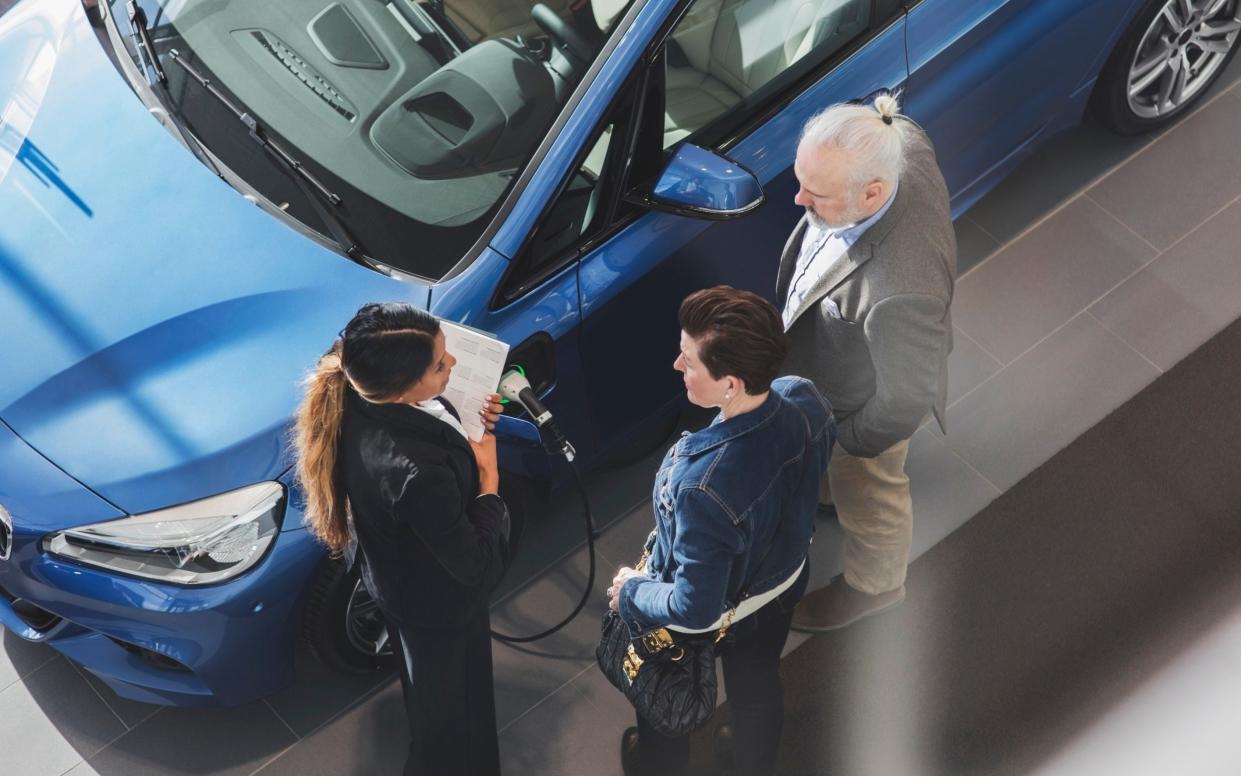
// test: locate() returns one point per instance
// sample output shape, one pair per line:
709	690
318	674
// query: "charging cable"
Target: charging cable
515	387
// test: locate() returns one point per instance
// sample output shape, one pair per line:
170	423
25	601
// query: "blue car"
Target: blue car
195	195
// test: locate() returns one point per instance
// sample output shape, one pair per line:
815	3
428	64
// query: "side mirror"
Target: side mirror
702	184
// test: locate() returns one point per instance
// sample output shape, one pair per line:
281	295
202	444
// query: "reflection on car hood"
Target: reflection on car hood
155	324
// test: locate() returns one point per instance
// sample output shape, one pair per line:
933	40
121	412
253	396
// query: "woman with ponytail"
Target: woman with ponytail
381	455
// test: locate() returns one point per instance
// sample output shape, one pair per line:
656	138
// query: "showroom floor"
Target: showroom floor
1092	270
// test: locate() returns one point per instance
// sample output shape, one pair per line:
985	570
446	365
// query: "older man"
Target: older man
866	281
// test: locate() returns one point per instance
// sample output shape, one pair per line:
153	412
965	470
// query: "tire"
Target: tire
341	624
1167	59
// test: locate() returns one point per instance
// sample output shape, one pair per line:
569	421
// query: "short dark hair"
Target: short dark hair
738	333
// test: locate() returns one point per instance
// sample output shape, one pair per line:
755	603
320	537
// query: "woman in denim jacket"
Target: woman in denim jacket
734	507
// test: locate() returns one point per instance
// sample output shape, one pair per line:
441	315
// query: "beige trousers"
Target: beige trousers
872	499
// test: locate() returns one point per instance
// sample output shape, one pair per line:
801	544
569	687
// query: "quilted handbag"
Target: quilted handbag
669	677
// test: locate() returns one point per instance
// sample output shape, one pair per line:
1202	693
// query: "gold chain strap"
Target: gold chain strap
724	626
632	661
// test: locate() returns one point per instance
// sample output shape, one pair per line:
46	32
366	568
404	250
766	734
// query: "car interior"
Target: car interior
428	107
727	49
720	52
432	107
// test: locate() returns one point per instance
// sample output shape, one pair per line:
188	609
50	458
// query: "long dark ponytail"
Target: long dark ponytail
384	350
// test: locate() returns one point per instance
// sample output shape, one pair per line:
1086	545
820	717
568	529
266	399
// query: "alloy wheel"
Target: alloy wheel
365	626
1186	44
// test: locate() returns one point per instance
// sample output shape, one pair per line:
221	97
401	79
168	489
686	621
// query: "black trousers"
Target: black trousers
449	699
751	659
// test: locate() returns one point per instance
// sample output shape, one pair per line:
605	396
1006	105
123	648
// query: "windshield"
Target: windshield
417	117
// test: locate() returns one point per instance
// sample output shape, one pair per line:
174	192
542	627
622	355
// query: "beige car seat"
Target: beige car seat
607	11
483	19
733	47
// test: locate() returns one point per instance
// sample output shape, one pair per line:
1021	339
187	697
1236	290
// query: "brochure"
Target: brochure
480	362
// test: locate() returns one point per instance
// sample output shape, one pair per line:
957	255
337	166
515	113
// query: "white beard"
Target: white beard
819	222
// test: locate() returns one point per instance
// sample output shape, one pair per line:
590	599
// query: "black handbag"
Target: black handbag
668	676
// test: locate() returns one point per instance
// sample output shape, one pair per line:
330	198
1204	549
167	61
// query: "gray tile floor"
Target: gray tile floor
1094	268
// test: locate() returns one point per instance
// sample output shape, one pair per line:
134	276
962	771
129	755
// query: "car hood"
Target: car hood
154	325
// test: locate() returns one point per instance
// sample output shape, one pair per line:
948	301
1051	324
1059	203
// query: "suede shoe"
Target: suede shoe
838	605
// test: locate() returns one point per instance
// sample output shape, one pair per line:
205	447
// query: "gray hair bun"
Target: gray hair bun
888	107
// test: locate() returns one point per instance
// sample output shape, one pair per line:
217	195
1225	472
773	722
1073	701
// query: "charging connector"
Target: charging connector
515	387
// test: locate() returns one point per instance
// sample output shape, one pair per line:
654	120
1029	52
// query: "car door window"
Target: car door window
578	204
726	56
724	59
575	213
589	205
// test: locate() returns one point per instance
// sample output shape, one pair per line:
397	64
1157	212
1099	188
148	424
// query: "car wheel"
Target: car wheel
342	624
1171	53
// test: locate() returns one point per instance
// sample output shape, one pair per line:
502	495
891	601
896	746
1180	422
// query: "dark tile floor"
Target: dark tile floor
1092	269
1085	623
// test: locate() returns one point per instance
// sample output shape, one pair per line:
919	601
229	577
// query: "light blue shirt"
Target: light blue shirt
821	248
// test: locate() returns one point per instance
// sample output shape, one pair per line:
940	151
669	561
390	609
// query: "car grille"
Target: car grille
43	621
150	657
36	617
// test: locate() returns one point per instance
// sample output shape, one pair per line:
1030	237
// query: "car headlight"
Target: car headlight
198	543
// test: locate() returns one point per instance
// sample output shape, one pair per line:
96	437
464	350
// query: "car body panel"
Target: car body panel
39	496
234	638
170	317
989	76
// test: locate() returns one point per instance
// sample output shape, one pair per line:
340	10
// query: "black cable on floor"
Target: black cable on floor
589	520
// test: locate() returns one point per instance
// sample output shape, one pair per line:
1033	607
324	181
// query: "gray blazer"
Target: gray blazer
882	360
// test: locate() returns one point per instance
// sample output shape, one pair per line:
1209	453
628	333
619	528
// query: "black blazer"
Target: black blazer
433	547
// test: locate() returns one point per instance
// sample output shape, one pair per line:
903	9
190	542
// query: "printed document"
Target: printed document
480	362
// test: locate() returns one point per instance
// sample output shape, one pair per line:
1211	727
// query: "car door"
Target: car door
540	328
739	77
989	77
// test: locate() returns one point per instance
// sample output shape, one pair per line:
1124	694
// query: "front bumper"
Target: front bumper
221	645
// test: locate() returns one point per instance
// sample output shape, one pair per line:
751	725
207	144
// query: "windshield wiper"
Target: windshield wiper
319	195
143	43
146	58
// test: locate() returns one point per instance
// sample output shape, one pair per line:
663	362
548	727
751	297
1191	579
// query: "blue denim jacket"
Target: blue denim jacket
733	502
